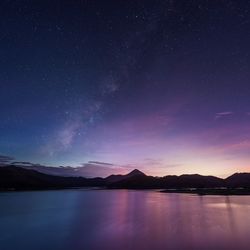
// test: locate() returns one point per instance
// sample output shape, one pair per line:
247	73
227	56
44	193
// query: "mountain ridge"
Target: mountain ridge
18	178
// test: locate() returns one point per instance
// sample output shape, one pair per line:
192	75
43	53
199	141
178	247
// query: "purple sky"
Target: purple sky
162	86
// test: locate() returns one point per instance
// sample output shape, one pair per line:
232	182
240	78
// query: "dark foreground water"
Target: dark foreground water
120	219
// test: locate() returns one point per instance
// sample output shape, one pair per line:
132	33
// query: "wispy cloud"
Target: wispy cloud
22	163
101	163
223	114
5	159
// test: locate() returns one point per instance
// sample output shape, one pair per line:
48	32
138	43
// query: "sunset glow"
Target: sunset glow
99	90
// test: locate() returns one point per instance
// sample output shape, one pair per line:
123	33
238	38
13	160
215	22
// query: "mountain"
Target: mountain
238	180
12	177
192	181
142	181
89	170
116	178
18	178
134	180
134	173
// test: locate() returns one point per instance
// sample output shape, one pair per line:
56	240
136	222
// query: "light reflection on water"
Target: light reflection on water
121	219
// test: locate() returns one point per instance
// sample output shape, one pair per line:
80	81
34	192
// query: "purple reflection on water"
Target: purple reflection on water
121	219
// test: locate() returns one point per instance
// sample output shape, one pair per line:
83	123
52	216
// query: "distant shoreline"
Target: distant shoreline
197	191
210	191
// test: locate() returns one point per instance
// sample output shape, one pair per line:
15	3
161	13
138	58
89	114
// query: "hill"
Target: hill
143	181
18	178
240	180
12	177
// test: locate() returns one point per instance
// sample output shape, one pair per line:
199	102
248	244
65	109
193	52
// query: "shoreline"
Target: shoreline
197	191
210	191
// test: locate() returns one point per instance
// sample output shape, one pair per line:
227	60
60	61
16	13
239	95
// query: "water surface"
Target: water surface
121	219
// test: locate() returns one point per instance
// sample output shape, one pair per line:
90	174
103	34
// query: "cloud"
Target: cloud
21	163
89	169
101	163
5	159
94	170
159	163
223	114
152	161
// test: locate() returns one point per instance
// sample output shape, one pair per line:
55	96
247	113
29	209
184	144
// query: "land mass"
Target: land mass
18	178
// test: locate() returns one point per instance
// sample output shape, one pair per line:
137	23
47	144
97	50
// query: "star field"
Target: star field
159	85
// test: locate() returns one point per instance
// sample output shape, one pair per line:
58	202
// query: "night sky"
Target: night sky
162	86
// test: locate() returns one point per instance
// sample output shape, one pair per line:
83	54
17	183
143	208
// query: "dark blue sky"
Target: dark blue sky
160	85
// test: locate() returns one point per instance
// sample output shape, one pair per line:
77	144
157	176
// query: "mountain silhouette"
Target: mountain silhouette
238	180
117	178
135	172
142	181
18	178
12	177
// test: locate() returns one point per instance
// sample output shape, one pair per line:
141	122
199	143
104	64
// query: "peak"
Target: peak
135	172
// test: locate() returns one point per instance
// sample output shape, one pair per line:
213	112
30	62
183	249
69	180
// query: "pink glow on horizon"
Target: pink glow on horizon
216	148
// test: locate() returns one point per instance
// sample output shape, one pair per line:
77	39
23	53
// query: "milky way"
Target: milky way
163	86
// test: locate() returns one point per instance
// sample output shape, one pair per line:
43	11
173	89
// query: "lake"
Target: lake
122	219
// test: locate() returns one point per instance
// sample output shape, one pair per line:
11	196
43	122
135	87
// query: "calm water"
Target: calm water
119	219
